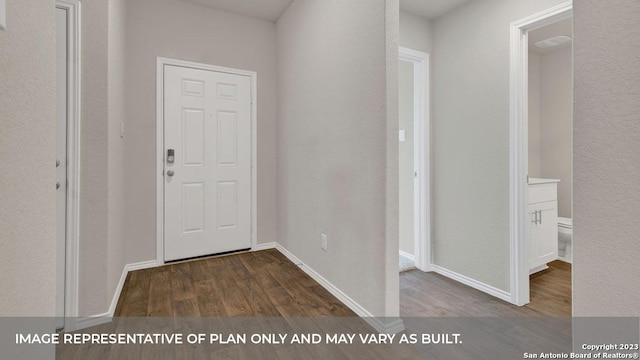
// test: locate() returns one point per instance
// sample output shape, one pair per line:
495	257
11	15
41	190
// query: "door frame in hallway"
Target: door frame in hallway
519	145
422	156
161	63
73	100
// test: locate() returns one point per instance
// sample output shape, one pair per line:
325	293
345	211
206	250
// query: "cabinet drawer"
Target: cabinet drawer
543	192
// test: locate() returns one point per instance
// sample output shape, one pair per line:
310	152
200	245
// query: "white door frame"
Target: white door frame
519	143
161	62
72	242
421	158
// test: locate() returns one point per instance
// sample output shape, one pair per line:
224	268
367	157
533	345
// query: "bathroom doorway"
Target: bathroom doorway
542	148
414	167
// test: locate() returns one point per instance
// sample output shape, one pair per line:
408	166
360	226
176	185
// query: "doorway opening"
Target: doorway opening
541	154
414	161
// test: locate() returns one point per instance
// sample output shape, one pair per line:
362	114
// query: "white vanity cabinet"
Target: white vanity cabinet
543	223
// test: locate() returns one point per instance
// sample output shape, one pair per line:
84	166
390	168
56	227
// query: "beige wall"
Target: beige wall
406	158
333	145
27	153
117	178
551	121
470	125
534	116
415	32
607	149
391	278
556	123
181	30
94	161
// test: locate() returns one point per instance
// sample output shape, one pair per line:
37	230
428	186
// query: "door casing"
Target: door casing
519	146
161	63
421	158
74	81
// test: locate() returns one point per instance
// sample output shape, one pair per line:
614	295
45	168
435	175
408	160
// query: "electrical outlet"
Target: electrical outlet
324	243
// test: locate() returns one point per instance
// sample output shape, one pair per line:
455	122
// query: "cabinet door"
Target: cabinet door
547	247
543	233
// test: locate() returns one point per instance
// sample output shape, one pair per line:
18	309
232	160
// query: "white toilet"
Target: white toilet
565	239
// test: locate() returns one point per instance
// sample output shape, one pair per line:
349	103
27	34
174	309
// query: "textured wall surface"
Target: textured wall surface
392	279
94	161
332	144
181	30
117	177
27	153
470	122
607	152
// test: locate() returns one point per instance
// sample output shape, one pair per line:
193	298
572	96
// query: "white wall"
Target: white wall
181	30
470	124
334	145
27	150
607	149
556	123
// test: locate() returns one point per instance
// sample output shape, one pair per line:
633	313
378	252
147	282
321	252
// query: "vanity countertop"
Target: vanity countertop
537	181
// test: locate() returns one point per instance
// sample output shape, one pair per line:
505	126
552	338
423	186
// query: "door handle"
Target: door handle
57	185
540	216
170	173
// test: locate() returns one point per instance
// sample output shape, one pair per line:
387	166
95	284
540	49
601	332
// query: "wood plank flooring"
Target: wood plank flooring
263	283
433	295
267	284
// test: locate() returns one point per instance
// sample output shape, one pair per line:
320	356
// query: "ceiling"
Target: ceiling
269	10
564	27
430	9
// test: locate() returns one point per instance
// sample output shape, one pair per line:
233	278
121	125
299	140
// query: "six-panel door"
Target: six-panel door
207	186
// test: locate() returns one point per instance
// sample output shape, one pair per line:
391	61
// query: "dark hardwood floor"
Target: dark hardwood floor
433	295
218	294
263	283
266	283
551	290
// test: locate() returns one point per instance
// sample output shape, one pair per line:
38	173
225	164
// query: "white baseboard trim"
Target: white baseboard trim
89	321
265	246
538	269
93	320
500	294
395	326
408	256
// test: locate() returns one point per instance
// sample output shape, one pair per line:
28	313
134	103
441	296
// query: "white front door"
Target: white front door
207	162
61	161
